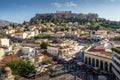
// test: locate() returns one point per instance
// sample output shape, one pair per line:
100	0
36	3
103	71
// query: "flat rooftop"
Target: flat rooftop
97	49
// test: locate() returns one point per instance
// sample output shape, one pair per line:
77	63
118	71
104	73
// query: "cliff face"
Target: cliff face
66	16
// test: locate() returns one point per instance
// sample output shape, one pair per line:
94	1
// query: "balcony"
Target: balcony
116	66
116	59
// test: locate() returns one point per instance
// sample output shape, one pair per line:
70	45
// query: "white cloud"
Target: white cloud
58	5
67	4
71	4
113	0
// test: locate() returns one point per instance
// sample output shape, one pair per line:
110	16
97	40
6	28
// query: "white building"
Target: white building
100	34
37	58
31	34
9	31
60	34
71	33
22	35
36	31
116	43
4	42
1	53
98	56
63	49
26	50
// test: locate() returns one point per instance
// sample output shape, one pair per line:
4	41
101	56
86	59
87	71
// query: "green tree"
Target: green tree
44	29
1	27
117	38
19	30
42	36
62	29
73	29
27	28
25	23
15	41
5	27
21	67
44	45
3	36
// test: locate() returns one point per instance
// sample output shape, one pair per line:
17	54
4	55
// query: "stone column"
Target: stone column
95	62
108	66
84	59
91	61
103	65
87	60
99	63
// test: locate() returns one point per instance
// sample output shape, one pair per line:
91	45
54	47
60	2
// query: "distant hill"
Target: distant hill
4	23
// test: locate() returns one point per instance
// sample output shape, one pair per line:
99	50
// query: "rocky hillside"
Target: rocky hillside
66	16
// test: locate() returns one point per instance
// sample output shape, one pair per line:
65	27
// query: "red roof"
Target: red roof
96	48
11	57
3	63
37	55
99	49
19	33
45	56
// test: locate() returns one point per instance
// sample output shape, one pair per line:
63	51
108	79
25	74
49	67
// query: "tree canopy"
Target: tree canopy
117	38
3	36
44	45
42	36
21	67
47	61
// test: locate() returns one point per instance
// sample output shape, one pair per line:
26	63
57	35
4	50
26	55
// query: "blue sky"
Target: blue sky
22	10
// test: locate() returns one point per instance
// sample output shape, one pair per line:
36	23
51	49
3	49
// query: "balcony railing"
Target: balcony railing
116	66
116	59
116	73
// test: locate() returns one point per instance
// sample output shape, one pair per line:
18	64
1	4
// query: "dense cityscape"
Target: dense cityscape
62	45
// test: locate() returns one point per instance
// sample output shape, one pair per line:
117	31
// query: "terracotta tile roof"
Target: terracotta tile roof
96	48
37	55
11	57
101	30
19	33
45	56
2	63
100	49
106	53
